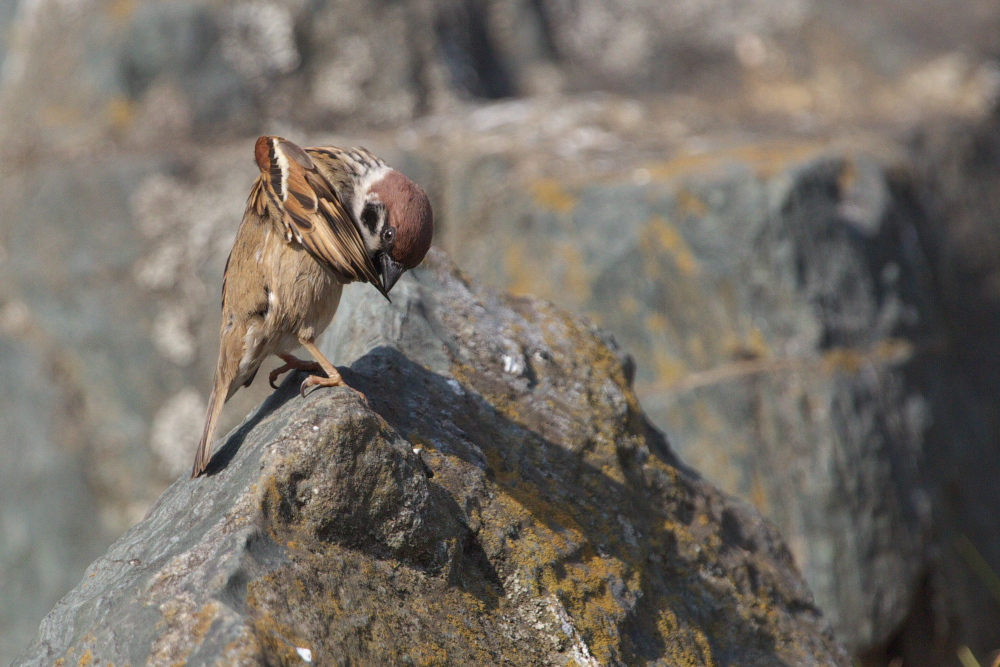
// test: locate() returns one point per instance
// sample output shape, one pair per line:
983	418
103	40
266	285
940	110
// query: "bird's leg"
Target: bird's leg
332	378
292	363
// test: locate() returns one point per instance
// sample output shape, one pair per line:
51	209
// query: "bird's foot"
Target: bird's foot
336	381
320	381
292	364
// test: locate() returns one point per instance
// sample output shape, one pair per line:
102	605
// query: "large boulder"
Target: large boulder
814	324
489	491
126	126
778	303
781	300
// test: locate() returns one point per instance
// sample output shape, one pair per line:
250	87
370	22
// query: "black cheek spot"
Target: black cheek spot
369	217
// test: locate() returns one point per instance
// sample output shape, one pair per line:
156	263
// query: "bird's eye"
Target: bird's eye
388	234
369	216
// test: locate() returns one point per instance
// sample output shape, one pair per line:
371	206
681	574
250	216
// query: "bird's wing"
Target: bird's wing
316	218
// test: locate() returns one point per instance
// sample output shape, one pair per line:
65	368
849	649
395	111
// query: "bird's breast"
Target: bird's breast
303	296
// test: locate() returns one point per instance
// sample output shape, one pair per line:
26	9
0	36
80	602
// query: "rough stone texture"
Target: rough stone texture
109	327
126	127
786	327
775	298
542	521
814	327
780	297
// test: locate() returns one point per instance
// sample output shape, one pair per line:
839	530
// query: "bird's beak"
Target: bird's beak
391	270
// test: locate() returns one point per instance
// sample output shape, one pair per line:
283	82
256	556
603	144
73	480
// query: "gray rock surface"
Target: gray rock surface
676	217
499	497
960	190
781	315
775	298
43	543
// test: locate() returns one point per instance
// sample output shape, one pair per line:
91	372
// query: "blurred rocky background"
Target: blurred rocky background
786	211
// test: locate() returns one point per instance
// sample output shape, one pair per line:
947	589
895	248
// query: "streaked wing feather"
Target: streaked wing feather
316	218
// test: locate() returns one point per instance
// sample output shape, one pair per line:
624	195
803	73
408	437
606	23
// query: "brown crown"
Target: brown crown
410	214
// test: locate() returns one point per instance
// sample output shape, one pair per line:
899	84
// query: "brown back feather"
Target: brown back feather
312	214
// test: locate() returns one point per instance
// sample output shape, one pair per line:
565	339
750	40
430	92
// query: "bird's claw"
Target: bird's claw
320	381
276	373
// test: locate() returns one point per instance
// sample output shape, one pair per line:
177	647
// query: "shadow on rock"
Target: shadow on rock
286	391
607	542
500	498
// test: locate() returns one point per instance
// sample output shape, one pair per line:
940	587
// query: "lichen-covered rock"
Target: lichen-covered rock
498	497
778	303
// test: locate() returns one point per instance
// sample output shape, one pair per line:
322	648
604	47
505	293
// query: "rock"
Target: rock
776	299
772	294
498	497
109	277
813	325
126	169
43	493
959	178
779	297
150	73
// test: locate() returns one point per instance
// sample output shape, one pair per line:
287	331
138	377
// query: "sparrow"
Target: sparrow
316	219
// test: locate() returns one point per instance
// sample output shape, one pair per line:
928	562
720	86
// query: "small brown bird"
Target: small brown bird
316	219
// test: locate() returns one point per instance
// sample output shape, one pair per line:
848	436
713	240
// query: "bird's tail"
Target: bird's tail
204	454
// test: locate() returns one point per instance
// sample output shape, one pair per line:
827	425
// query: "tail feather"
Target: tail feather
204	454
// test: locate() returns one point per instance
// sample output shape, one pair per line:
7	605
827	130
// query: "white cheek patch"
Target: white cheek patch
363	197
365	184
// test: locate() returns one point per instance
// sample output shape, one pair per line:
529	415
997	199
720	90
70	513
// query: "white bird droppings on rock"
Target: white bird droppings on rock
512	364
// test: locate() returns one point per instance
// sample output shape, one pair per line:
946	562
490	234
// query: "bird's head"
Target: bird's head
396	222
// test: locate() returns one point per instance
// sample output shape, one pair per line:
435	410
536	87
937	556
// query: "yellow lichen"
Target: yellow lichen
121	112
120	10
549	194
689	203
766	159
429	655
684	646
668	238
575	279
759	495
